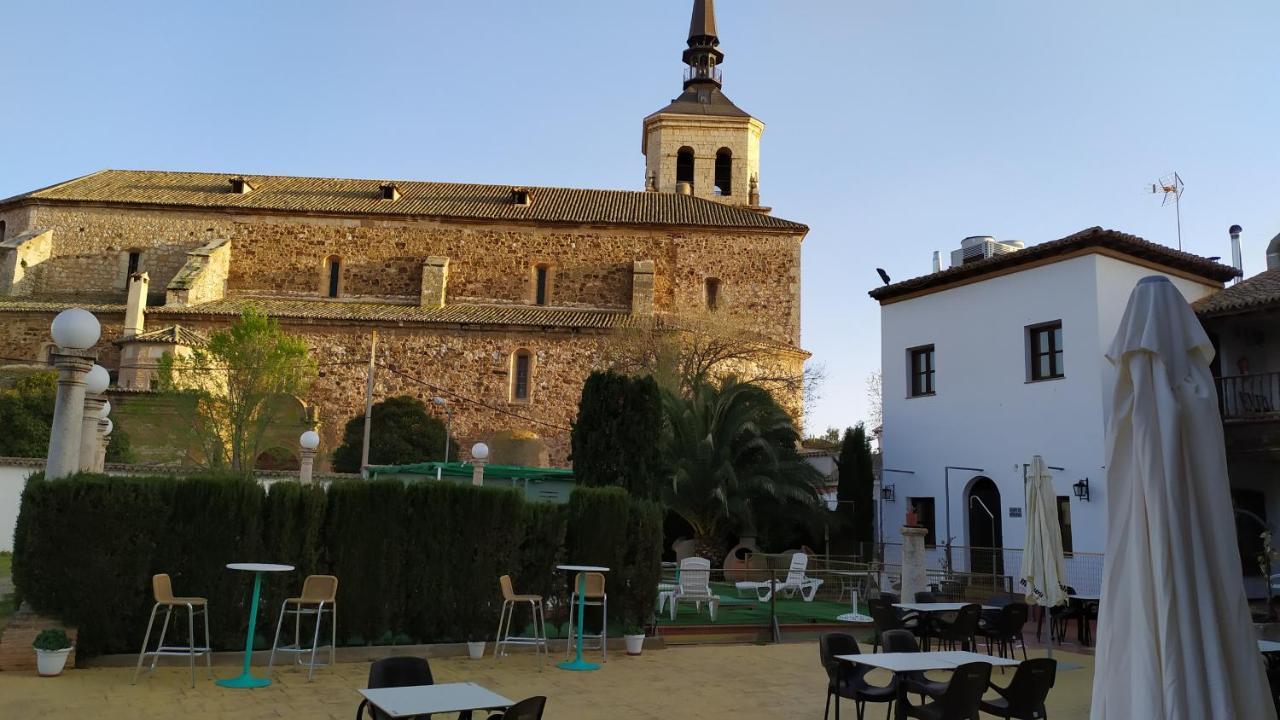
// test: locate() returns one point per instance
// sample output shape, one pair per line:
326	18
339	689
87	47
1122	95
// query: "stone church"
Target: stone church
499	298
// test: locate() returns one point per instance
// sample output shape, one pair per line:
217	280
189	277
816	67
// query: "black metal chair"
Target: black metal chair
396	672
527	709
1006	629
960	631
1024	698
962	698
848	680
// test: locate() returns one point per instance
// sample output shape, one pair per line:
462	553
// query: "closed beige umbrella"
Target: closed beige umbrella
1042	567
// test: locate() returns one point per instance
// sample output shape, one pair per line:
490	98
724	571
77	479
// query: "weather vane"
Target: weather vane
1170	186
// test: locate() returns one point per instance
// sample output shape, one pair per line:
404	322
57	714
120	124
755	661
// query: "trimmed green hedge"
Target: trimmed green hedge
417	563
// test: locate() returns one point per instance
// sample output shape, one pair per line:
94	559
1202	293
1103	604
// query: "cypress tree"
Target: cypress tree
615	437
857	481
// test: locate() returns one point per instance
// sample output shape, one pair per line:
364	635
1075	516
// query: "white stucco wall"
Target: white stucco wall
12	480
985	413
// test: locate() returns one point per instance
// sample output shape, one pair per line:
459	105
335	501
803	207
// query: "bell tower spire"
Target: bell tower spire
702	144
703	55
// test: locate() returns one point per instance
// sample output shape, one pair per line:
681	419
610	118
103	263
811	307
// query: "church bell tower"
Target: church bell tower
702	144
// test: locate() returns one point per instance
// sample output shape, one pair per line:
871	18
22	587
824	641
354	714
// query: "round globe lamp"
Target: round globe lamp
96	380
480	451
75	329
309	440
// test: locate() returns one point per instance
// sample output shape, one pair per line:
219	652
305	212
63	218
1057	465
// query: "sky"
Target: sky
893	128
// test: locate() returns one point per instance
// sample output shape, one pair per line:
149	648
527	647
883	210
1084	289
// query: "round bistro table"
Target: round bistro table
245	679
578	663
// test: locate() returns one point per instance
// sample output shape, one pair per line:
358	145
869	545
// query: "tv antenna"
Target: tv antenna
1170	186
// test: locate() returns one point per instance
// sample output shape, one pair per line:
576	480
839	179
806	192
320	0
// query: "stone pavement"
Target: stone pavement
695	682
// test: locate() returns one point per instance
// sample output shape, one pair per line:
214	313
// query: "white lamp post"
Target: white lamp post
480	457
448	423
308	441
95	408
75	331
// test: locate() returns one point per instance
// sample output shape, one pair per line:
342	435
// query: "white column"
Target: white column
105	427
477	472
68	412
308	464
90	433
914	579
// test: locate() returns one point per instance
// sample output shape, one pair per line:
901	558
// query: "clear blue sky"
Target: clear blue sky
895	128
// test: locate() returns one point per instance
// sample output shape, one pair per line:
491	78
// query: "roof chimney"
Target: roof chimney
684	188
136	309
937	261
521	196
1273	253
1236	261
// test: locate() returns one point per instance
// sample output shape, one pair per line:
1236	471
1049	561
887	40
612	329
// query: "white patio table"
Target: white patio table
414	700
246	679
919	662
578	663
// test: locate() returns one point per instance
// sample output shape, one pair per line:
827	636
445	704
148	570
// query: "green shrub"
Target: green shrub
364	536
616	434
607	527
52	639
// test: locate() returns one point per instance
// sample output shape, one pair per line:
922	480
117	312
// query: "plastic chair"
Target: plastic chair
509	601
886	618
319	596
848	680
1006	629
395	672
1024	698
962	698
162	592
962	630
527	709
594	596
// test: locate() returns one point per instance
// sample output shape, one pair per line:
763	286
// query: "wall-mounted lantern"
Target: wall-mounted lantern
1082	489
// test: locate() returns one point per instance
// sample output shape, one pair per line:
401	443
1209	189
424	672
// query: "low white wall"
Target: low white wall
12	479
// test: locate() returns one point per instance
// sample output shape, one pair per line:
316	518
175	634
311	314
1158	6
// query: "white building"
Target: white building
1000	358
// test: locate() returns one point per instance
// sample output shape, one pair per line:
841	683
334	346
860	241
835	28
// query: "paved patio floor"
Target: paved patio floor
690	682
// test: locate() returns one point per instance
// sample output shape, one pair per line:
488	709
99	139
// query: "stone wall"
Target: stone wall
20	258
24	337
666	134
383	259
203	278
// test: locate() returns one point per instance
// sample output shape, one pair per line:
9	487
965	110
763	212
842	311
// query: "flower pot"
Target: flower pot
475	649
50	662
635	643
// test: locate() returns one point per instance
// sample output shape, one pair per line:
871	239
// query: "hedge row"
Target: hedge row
416	562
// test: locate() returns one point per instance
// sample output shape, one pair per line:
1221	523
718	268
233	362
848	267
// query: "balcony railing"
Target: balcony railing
1249	396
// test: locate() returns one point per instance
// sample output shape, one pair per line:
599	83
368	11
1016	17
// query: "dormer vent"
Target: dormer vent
521	196
240	186
390	191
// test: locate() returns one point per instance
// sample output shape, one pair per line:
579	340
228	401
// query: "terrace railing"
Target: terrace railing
1253	396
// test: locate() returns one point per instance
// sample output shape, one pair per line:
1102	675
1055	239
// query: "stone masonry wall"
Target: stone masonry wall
25	335
383	259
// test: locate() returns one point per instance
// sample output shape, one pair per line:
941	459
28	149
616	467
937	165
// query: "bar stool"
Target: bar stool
594	596
319	596
162	591
509	600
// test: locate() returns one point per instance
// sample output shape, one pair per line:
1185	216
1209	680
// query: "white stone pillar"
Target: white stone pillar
105	427
914	579
477	471
90	432
68	412
307	466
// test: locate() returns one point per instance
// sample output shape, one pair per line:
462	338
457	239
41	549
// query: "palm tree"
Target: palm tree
731	450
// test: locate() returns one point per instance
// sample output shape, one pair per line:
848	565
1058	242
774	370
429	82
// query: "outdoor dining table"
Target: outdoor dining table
937	607
414	700
246	679
1268	646
578	663
903	662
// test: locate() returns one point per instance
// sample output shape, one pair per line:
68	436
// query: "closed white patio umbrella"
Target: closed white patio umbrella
1042	570
1175	638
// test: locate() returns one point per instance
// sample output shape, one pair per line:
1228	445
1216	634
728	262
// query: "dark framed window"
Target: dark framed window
540	284
1045	345
925	518
684	165
135	260
1064	522
921	359
2	229
724	172
521	365
335	276
713	293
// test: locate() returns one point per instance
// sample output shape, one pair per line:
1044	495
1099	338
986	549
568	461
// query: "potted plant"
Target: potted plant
633	635
52	648
475	645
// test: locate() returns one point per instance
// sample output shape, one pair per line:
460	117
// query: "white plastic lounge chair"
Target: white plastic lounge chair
796	582
694	586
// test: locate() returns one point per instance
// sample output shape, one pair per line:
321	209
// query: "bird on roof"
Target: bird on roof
883	275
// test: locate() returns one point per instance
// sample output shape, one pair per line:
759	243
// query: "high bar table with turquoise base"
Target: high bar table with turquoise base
578	663
246	679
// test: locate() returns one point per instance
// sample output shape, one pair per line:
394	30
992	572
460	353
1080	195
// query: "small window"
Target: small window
1064	521
1045	345
724	172
684	165
521	365
713	293
925	518
333	276
389	191
921	371
2	229
540	287
135	261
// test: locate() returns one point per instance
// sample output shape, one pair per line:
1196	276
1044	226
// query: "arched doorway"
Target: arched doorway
986	532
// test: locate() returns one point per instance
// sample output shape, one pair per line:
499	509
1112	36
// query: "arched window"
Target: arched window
684	165
724	171
712	293
521	375
331	277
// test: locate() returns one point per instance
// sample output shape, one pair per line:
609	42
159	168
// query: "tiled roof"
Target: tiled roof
417	199
10	304
1094	237
1260	291
172	335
